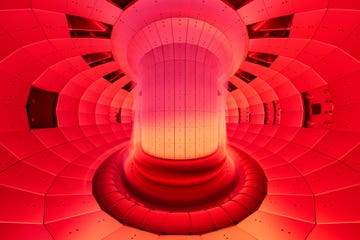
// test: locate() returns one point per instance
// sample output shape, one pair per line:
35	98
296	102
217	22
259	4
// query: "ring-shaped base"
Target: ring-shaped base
174	214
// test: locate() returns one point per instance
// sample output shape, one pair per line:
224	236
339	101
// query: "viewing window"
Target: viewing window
87	28
114	76
236	4
95	59
245	76
263	59
122	3
41	108
272	28
230	86
129	86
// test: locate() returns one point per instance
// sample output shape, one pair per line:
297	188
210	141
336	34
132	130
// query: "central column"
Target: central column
180	110
179	159
179	53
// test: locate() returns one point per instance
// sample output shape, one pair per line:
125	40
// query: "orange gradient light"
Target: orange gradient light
181	112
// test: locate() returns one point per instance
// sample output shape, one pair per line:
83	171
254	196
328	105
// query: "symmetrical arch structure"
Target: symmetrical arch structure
78	77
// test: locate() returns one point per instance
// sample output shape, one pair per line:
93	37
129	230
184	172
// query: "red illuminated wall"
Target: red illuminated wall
71	73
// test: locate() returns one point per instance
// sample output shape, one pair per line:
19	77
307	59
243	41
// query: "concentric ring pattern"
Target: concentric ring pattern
293	105
174	212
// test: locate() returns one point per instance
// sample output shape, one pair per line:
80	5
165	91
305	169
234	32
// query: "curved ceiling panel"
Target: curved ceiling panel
69	84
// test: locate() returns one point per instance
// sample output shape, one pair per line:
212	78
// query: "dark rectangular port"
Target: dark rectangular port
245	76
230	86
41	108
114	76
260	58
129	86
123	4
80	27
272	28
236	4
96	59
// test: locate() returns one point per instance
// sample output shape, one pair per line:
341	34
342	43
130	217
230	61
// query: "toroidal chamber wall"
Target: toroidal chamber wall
71	75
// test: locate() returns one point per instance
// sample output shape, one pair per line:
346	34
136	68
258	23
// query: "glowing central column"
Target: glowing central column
179	53
180	110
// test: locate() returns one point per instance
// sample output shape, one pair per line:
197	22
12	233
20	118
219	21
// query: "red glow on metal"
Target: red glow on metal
296	115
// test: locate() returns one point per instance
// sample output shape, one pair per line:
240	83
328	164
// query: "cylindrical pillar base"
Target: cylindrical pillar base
180	184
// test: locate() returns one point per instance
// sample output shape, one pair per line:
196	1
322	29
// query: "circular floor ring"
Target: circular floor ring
115	197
